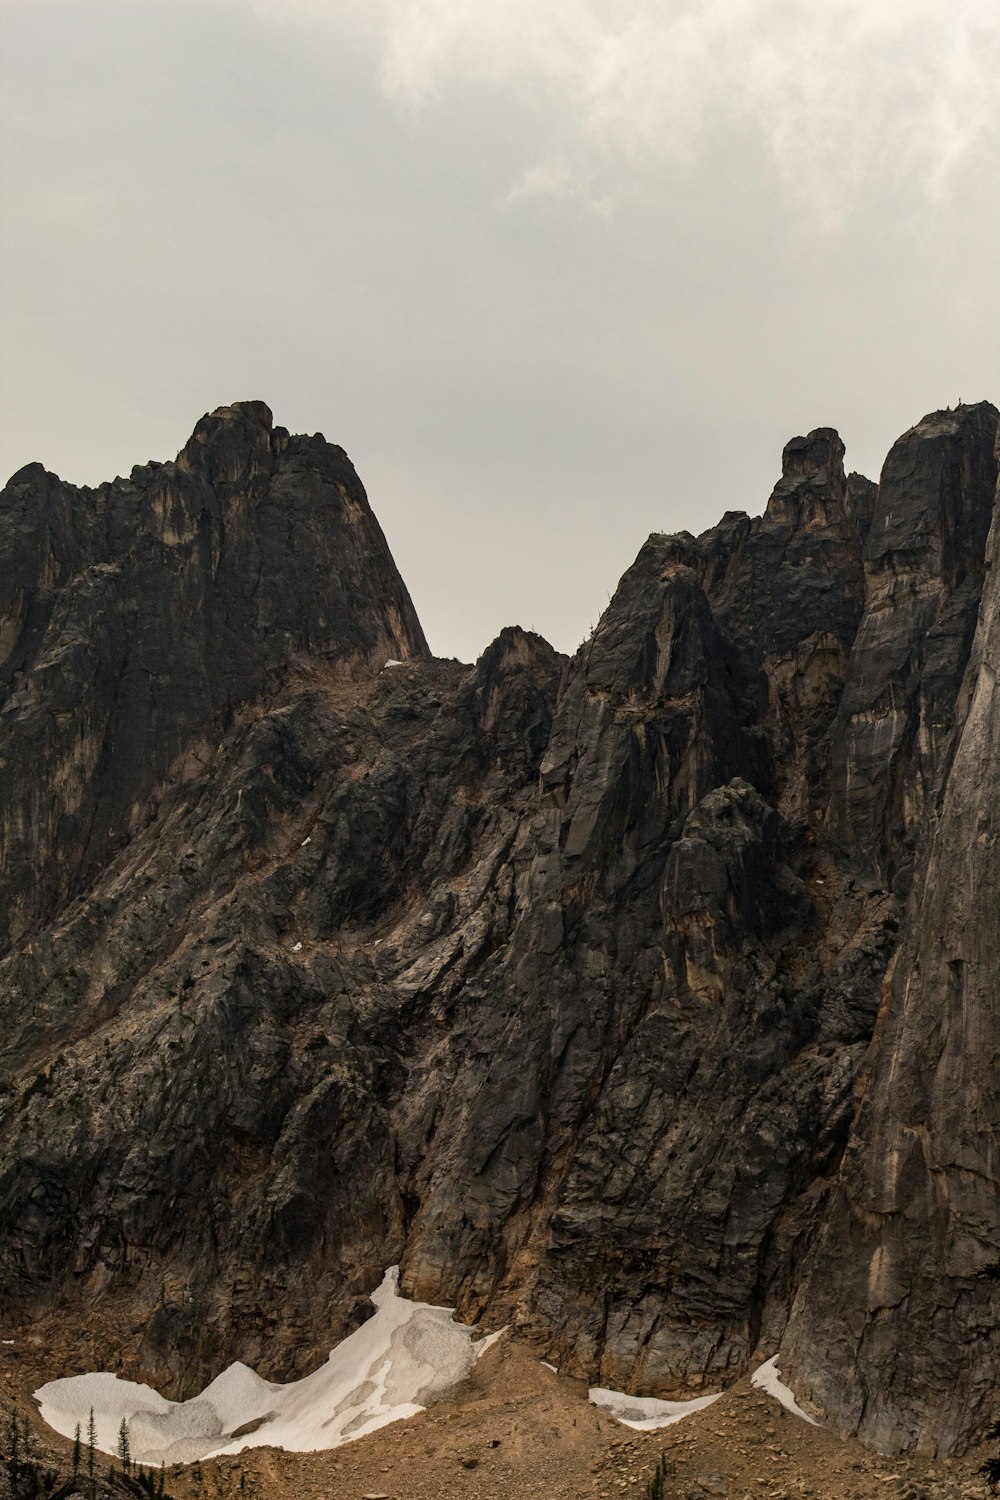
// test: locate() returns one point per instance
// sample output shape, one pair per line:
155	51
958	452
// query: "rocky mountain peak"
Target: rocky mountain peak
151	610
812	490
818	455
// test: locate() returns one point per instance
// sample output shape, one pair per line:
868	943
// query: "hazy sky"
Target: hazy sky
556	274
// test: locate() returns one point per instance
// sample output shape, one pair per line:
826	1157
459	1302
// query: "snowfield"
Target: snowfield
766	1378
391	1367
646	1413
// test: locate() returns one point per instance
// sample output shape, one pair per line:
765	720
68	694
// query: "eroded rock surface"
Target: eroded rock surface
557	982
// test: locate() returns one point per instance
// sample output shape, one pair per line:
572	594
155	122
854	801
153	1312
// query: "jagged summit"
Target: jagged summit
644	1001
137	620
819	453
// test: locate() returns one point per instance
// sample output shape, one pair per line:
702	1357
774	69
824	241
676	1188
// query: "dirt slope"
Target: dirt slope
515	1431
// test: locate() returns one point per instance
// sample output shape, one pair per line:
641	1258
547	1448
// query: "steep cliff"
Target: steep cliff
906	1351
557	982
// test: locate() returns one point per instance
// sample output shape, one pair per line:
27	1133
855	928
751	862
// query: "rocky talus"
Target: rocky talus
646	1000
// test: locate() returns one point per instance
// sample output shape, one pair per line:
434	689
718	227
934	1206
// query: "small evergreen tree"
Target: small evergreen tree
124	1455
990	1470
654	1489
77	1448
14	1454
91	1445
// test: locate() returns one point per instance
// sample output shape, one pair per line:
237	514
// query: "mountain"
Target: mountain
644	1000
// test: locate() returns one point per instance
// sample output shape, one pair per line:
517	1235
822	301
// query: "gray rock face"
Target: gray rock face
924	563
894	1332
557	982
136	619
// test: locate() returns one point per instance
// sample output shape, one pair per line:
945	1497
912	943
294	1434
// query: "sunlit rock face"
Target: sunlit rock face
557	982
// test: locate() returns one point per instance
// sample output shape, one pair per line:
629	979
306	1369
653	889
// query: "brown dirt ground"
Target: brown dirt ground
515	1431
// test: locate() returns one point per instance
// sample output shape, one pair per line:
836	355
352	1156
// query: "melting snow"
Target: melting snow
392	662
767	1378
389	1368
487	1343
645	1413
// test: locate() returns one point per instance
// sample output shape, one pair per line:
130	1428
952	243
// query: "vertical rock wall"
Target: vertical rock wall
893	1331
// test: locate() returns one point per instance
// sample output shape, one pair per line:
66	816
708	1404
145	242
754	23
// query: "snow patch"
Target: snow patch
391	1367
767	1378
66	1402
393	663
646	1413
481	1345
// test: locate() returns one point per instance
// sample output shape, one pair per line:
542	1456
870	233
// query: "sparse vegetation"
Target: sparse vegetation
42	1082
664	1470
990	1470
23	1477
124	1451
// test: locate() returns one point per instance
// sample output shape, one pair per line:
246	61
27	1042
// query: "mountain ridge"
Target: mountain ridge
556	981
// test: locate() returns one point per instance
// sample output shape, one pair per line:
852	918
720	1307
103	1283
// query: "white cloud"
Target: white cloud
840	92
561	177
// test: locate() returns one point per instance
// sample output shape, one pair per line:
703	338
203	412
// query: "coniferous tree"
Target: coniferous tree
77	1449
123	1447
91	1445
14	1458
654	1489
990	1470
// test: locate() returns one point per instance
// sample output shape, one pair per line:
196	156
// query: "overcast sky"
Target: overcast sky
556	274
